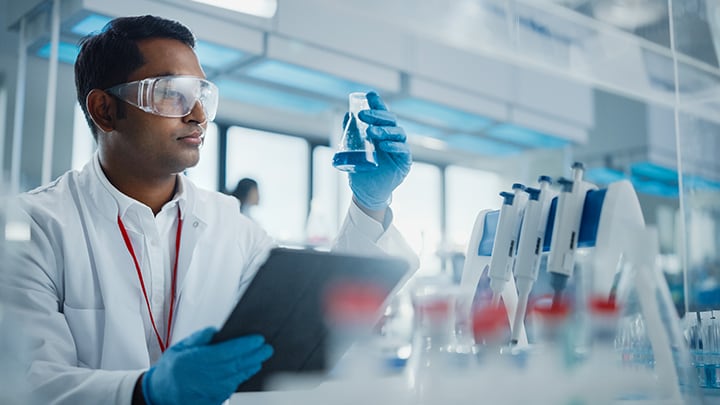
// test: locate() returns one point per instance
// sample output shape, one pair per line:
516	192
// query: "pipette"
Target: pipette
530	246
477	261
479	249
505	246
561	259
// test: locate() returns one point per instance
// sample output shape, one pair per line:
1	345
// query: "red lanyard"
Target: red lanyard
163	345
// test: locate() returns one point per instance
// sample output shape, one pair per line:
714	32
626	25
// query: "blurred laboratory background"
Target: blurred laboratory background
490	92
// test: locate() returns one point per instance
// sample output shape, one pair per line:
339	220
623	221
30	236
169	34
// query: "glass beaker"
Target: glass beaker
441	344
356	152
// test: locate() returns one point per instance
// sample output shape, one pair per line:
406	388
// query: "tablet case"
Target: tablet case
284	303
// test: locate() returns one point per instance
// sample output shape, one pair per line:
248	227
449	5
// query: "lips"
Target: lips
193	134
195	138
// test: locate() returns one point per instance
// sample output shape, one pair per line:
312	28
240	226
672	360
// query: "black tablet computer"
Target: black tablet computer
285	303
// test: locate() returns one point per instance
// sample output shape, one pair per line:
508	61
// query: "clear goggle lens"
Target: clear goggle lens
170	96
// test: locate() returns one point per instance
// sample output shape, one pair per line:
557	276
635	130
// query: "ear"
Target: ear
101	107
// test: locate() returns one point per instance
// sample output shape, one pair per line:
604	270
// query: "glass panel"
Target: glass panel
656	181
699	148
416	206
279	163
205	173
698	131
695	31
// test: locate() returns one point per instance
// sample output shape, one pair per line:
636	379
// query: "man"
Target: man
131	268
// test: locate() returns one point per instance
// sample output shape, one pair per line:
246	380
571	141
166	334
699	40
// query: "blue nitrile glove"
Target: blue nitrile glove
372	189
195	372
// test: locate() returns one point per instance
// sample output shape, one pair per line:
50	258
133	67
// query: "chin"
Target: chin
180	165
190	159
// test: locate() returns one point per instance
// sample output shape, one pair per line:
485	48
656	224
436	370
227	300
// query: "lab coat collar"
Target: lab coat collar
111	202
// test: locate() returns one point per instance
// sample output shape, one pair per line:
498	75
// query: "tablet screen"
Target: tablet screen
285	303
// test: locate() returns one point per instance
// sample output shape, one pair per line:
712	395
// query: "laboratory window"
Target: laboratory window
416	205
331	197
467	192
280	165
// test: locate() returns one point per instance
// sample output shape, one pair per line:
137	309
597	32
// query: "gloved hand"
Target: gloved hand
372	189
195	372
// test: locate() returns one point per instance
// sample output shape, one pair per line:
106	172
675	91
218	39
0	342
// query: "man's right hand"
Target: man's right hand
195	372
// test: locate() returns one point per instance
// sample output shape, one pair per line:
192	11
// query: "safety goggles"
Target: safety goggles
169	96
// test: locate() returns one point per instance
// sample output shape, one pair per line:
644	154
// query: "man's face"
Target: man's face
152	144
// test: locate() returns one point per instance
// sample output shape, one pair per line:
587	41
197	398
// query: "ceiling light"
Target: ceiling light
90	24
630	14
302	78
414	128
604	175
216	56
481	146
438	115
67	52
526	137
260	8
268	97
652	171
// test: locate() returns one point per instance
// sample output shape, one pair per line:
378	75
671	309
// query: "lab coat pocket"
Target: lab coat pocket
87	327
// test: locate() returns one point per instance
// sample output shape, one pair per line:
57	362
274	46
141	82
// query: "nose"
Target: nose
197	114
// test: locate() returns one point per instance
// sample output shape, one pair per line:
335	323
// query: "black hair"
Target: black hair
243	189
109	57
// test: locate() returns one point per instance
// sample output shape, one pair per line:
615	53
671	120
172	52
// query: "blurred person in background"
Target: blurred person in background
248	194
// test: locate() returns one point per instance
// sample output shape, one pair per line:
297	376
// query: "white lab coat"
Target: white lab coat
76	289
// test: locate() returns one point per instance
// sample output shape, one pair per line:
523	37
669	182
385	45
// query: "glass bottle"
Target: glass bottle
356	152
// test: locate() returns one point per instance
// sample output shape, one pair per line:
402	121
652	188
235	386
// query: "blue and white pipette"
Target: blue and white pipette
477	261
505	246
530	247
561	259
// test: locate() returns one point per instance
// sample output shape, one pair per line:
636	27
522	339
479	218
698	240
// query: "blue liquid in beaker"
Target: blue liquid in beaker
353	161
708	375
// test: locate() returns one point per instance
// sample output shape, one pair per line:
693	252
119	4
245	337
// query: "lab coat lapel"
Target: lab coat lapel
193	227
